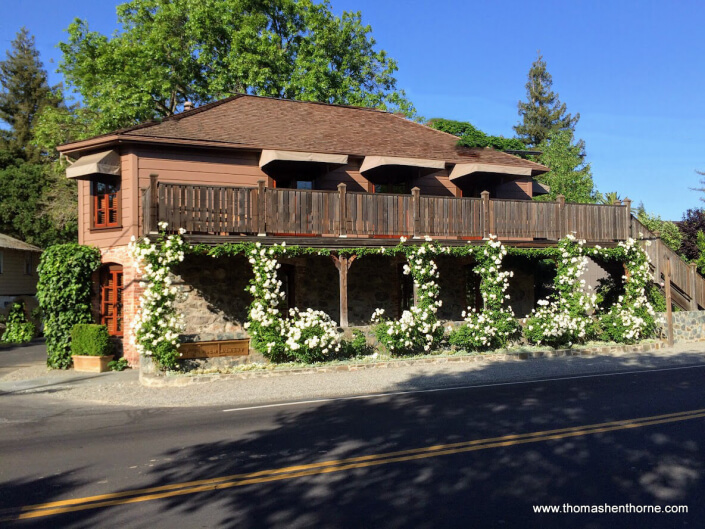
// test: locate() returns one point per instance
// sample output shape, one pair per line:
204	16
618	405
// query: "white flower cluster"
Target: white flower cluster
156	326
312	330
495	323
564	318
418	327
306	335
633	308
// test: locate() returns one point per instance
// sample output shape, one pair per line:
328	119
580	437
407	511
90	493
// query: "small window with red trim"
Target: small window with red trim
106	203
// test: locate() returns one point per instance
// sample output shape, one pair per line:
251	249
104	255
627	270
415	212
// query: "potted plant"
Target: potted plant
91	347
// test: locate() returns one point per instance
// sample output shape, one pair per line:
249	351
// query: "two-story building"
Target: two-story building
256	168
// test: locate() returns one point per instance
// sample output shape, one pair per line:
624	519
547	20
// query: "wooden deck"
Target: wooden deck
214	214
238	211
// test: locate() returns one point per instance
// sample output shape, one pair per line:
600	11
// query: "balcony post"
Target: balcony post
416	211
154	204
693	305
669	301
343	264
658	269
628	212
485	195
261	209
342	227
561	223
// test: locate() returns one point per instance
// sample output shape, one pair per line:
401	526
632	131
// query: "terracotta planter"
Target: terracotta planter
91	364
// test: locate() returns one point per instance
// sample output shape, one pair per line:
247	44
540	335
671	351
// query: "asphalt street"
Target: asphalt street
463	457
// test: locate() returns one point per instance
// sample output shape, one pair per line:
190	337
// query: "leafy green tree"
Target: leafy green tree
470	136
669	232
542	113
607	198
25	92
171	51
569	175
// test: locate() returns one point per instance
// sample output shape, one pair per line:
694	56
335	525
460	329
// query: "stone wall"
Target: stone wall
213	300
688	326
373	282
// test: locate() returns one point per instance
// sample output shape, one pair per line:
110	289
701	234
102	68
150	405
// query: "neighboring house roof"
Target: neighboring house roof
10	243
267	123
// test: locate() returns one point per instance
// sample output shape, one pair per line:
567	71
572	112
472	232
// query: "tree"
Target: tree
668	231
607	198
693	222
542	113
569	175
171	51
471	136
25	92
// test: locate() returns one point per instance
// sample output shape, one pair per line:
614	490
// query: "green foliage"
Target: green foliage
631	318
25	92
171	51
700	262
64	294
655	297
542	114
90	339
18	328
495	324
157	324
30	208
474	137
356	347
564	318
693	222
569	176
118	365
668	231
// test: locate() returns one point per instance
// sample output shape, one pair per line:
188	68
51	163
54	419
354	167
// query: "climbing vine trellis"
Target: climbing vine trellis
566	317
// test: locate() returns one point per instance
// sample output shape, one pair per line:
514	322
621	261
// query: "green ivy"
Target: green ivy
64	294
19	329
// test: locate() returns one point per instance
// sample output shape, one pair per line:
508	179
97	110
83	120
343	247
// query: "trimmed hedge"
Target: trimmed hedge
64	294
90	339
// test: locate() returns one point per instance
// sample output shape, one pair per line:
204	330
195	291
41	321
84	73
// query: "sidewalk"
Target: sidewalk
124	389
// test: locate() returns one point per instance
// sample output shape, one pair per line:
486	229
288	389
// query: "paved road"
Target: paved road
17	356
473	457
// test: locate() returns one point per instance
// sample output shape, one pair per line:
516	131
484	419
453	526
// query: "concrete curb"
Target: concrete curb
161	381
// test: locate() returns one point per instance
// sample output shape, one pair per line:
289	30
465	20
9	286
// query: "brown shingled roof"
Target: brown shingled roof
10	243
268	123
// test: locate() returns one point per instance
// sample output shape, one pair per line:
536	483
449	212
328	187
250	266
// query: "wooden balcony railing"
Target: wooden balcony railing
220	210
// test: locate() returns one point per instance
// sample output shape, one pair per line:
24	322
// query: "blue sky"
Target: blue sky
634	70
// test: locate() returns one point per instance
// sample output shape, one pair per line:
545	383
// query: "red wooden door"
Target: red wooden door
111	299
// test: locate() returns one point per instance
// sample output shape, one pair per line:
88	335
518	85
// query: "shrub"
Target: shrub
118	365
90	339
357	346
18	329
64	294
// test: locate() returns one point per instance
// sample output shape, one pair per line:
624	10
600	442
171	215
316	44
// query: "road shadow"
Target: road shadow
492	487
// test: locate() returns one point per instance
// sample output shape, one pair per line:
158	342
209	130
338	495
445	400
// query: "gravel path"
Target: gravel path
124	389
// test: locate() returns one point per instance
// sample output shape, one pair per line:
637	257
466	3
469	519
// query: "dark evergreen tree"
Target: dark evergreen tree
25	92
542	113
693	222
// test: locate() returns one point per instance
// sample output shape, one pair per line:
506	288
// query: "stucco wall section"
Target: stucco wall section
13	280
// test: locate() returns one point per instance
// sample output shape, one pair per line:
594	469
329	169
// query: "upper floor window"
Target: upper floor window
28	264
1	262
401	188
106	202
